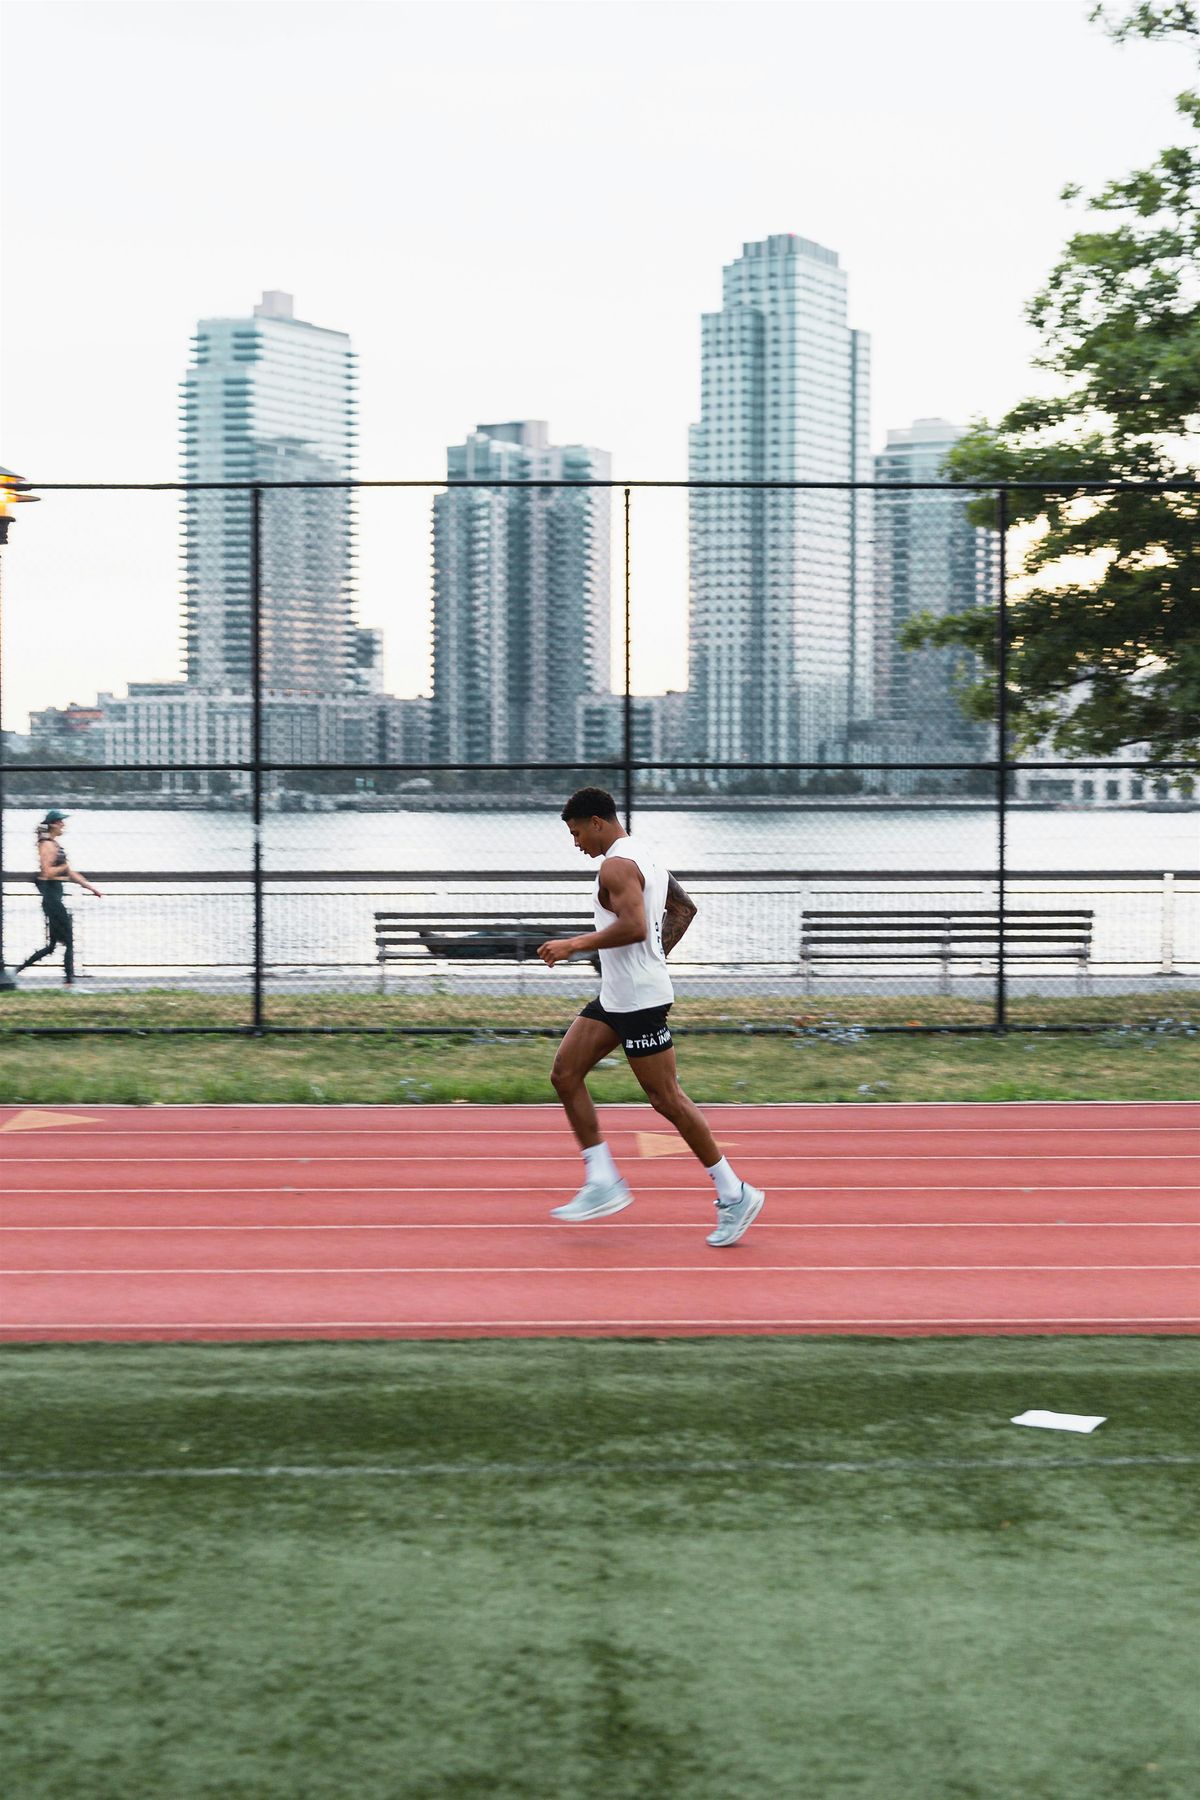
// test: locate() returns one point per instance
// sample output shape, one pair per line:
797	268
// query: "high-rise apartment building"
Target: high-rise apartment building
270	398
658	732
521	596
781	579
929	558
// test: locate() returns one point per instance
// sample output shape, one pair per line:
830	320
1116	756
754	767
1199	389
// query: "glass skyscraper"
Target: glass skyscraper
781	580
929	558
270	398
521	596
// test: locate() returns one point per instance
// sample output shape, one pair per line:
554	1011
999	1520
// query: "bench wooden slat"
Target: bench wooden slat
1049	955
955	939
965	912
953	921
934	929
468	921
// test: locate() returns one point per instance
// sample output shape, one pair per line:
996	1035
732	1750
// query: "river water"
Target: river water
757	869
720	839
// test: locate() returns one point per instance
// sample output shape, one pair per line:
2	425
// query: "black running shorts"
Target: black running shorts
643	1033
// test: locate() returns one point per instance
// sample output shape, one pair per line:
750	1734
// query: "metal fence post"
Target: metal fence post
1167	944
1001	1021
627	710
256	746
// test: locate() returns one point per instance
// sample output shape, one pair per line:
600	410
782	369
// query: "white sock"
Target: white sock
727	1184
598	1163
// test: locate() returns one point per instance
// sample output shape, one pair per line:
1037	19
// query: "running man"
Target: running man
641	913
53	870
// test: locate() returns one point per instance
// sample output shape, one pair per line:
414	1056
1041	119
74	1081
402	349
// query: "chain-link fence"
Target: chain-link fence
339	808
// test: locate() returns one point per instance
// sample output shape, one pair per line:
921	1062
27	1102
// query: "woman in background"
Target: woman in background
53	870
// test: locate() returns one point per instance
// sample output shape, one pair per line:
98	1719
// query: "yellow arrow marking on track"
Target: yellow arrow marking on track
660	1143
32	1120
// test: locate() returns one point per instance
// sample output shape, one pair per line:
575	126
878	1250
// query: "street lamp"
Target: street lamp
13	493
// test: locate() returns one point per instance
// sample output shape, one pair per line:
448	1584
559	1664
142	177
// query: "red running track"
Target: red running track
178	1223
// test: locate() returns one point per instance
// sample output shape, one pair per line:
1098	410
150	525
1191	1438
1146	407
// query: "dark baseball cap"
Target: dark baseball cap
54	817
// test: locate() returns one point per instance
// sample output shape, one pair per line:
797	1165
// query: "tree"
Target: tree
1108	658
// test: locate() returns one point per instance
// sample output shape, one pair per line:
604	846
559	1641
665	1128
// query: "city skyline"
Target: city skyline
782	639
527	284
795	609
799	596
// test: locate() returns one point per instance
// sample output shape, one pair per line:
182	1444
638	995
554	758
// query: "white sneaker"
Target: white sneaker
595	1200
735	1217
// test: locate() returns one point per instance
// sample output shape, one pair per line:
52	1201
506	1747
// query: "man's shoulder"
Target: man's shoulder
631	859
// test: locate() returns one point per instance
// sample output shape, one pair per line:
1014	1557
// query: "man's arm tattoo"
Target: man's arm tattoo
677	916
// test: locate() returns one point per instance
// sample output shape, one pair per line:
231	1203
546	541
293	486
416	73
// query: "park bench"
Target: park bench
478	937
946	937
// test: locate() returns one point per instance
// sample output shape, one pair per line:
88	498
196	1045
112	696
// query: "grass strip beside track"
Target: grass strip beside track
608	1571
552	1006
490	1067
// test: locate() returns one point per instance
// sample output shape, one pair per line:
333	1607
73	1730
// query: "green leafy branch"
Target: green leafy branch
1104	639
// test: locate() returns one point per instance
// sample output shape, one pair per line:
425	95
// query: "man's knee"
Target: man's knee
669	1100
564	1079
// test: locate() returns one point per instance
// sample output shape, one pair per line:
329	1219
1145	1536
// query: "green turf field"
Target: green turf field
628	1571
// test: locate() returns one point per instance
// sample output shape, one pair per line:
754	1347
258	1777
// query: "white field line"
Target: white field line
642	1225
1092	1320
704	1268
774	1465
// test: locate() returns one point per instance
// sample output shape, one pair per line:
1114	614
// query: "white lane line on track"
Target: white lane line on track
572	1157
675	1225
644	1187
706	1466
705	1268
1092	1320
550	1108
150	1130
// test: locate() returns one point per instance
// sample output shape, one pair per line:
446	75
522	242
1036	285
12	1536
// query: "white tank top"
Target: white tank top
633	976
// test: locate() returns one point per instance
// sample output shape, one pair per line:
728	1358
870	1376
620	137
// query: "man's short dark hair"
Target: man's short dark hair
589	803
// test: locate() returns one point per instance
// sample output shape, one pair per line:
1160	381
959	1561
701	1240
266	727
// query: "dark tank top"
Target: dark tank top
51	887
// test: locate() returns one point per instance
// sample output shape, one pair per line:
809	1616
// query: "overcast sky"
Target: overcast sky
516	211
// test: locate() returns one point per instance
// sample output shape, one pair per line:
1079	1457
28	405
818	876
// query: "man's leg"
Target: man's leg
582	1048
660	1082
603	1191
738	1204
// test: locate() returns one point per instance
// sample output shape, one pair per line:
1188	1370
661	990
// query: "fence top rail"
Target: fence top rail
1065	484
1014	764
551	877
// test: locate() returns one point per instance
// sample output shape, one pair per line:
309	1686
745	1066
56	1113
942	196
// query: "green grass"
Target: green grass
553	1006
489	1066
582	1610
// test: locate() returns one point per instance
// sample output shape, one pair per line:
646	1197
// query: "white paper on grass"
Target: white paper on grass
1052	1421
